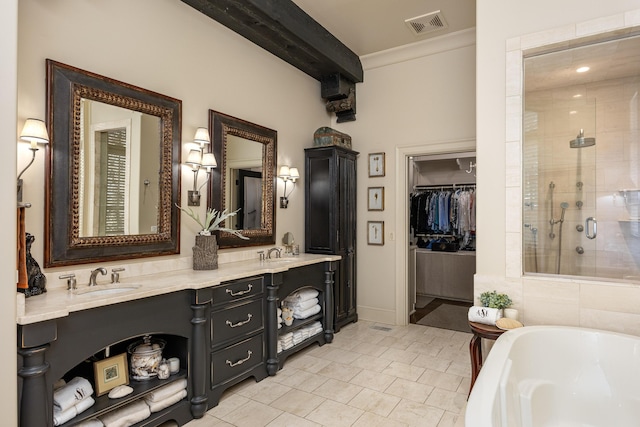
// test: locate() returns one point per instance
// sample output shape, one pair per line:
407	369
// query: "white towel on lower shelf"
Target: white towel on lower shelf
90	423
166	391
128	415
159	405
61	417
308	312
71	393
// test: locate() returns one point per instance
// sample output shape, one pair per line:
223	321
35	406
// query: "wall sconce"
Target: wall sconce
34	131
287	174
197	159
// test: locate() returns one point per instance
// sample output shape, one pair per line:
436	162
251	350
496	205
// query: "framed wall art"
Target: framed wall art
375	232
376	164
376	199
110	373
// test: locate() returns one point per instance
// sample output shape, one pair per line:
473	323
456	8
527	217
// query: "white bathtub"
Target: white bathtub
543	376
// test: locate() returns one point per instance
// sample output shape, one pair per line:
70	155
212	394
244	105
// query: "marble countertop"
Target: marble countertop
59	302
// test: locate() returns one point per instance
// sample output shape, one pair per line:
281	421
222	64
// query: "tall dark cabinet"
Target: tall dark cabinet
330	220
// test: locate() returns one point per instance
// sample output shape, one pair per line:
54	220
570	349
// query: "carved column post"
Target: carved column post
328	301
34	404
273	286
198	363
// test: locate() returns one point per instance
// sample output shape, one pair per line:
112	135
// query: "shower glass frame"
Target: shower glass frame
598	234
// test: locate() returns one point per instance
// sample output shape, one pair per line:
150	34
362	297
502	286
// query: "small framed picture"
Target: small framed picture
375	232
376	164
376	199
110	373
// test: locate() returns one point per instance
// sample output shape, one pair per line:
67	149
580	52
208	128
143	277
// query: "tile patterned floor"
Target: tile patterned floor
371	375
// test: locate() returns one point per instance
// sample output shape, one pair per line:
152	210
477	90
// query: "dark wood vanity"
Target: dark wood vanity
222	334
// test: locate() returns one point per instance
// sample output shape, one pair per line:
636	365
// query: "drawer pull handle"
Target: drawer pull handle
242	322
235	294
241	361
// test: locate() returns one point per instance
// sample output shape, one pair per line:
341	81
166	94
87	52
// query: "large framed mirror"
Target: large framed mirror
244	180
113	174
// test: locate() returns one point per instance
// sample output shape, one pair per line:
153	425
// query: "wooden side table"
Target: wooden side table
480	330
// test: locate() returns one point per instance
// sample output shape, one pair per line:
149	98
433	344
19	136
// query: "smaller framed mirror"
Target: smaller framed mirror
244	180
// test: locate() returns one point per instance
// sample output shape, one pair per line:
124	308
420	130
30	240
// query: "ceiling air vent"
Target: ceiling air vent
426	23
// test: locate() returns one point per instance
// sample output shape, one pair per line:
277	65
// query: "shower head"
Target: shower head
581	141
564	206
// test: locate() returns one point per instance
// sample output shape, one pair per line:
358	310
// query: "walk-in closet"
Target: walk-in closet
442	261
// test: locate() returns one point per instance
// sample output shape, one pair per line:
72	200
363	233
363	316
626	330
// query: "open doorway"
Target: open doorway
441	217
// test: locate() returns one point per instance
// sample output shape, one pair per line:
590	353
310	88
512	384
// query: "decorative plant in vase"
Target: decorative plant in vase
493	299
205	252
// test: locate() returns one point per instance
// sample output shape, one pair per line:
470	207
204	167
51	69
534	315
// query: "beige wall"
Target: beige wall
8	132
167	47
612	306
419	99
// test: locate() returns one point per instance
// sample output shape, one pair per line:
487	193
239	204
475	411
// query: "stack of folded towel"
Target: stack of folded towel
288	340
304	303
142	409
166	396
127	415
71	399
279	318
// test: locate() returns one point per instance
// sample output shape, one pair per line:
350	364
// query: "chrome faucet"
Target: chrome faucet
278	252
94	273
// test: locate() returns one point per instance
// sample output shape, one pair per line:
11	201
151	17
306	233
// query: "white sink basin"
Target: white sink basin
100	290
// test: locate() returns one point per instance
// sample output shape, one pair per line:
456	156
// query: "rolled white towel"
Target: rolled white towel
166	391
128	415
485	315
84	404
279	310
61	417
74	391
159	405
308	312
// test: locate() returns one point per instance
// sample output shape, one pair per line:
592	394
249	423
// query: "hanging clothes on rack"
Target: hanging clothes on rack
448	211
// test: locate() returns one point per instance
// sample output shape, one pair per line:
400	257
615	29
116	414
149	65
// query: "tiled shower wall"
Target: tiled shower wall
590	176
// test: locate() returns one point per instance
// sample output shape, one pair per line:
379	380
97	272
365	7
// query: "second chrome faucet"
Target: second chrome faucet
94	274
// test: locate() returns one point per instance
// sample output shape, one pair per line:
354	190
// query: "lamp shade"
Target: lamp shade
34	131
194	158
294	174
202	136
284	172
209	161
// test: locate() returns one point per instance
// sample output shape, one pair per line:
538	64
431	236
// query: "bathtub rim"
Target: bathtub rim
482	399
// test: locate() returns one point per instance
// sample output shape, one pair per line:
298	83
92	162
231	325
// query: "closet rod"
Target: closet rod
442	187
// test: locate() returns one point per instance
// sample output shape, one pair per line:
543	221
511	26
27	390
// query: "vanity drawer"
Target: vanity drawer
238	289
237	359
237	321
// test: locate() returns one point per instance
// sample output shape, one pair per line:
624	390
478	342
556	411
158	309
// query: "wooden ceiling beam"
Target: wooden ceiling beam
285	30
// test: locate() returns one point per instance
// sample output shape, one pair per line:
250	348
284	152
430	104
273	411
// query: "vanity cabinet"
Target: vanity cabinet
236	334
280	285
330	220
66	346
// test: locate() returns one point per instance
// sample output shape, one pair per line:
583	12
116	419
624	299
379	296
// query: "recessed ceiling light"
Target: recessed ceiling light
573	112
582	69
577	95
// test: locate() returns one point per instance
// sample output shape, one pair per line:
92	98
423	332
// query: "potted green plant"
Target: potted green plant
205	252
493	299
